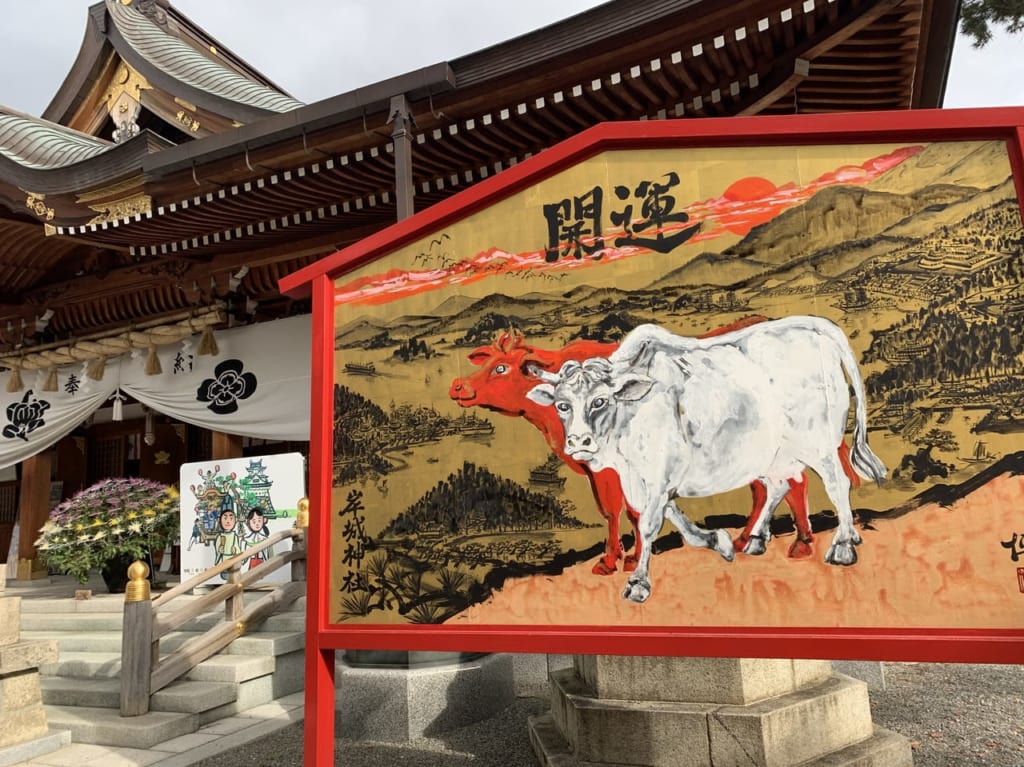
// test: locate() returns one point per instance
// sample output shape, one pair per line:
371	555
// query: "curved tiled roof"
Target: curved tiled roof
35	143
179	60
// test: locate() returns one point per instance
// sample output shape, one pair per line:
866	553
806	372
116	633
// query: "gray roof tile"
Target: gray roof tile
36	143
179	60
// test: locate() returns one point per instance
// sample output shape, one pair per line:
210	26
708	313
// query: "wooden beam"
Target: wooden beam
788	73
225	446
33	511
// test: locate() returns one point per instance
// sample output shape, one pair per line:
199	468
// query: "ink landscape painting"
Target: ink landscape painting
756	387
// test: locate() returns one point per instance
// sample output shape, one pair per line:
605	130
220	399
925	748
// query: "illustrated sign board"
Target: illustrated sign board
737	387
231	504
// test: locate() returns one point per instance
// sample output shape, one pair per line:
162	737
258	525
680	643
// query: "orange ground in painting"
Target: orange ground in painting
933	567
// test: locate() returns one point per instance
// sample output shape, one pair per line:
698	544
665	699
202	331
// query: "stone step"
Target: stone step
883	748
21	753
787	729
219	668
232	668
114	603
80	622
106	727
182	697
257	643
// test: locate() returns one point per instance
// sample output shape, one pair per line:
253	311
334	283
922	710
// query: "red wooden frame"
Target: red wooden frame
988	646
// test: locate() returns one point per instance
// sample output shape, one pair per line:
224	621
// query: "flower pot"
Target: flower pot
115	573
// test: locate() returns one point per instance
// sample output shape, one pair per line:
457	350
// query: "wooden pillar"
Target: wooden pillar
33	510
225	446
401	138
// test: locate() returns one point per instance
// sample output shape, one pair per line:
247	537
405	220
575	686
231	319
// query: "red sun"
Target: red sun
749	188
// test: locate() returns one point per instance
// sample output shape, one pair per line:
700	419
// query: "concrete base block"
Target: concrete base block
696	680
794	728
531	672
871	672
23	724
31	749
26	655
397	705
10	619
825	722
19	690
655	733
883	749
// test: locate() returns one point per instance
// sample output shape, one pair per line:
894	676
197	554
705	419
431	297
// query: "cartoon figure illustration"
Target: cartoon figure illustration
227	544
736	416
255	532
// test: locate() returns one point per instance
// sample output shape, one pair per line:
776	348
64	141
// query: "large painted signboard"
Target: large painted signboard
232	504
652	396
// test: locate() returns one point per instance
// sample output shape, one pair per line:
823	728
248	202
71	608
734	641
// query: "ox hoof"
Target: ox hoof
637	592
755	546
602	568
841	554
723	545
800	550
630	563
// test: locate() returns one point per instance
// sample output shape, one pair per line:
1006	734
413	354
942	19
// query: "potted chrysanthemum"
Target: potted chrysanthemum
107	526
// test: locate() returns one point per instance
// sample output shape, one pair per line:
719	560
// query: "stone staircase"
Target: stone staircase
81	690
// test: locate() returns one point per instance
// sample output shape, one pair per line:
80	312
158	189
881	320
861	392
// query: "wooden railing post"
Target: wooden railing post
234	605
137	646
301	523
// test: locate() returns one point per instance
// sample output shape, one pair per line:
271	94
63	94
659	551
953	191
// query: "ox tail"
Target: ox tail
863	458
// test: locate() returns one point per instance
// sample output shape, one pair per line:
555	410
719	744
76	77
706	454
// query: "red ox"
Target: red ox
501	385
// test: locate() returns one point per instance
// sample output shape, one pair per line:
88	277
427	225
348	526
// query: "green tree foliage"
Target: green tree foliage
474	500
486	328
977	17
360	434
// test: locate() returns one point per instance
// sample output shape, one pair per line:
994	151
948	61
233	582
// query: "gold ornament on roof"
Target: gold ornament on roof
187	120
128	82
34	202
123	208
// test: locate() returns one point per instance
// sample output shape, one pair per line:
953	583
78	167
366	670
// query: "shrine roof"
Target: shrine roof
32	142
172	56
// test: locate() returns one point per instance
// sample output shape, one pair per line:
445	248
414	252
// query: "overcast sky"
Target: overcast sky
319	48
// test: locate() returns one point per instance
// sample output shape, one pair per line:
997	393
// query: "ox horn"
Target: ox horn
541	374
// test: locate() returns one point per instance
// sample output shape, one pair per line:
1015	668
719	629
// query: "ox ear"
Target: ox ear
481	355
633	387
542	394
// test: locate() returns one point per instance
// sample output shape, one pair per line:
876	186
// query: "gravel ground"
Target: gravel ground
955	716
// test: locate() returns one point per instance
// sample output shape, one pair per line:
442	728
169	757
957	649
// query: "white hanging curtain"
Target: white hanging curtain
257	385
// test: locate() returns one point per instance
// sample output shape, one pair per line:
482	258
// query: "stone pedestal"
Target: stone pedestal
698	712
401	704
24	734
532	672
31	570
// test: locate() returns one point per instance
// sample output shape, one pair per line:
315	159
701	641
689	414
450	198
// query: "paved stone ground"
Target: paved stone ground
955	715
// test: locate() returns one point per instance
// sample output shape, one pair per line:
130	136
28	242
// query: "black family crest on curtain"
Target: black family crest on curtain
25	416
228	385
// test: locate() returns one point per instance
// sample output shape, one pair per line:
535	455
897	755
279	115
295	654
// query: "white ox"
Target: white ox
694	417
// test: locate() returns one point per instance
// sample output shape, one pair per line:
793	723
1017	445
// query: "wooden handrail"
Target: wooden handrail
165	623
144	672
198	649
199	580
